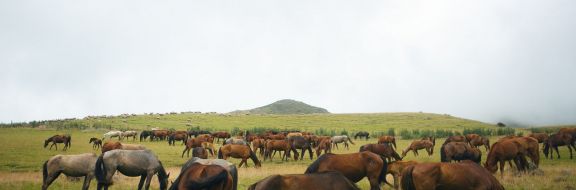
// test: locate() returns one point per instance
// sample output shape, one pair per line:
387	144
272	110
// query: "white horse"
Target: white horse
111	134
81	165
341	139
132	134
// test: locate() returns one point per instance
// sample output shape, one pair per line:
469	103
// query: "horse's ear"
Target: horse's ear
168	175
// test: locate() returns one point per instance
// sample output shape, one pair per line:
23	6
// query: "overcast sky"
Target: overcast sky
489	60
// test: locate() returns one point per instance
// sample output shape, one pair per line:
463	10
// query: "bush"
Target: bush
405	134
391	132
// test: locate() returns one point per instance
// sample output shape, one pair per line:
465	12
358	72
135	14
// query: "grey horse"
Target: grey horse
236	141
220	162
131	163
341	139
80	165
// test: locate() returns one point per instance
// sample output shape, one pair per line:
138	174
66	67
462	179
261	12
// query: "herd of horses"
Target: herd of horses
335	171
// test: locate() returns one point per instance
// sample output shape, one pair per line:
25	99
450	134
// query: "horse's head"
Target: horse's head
546	148
46	142
92	140
490	168
404	153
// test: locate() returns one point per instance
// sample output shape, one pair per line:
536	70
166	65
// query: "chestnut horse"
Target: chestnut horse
457	138
209	174
541	137
558	139
221	135
382	150
503	151
419	144
439	176
238	151
193	143
279	145
258	143
159	134
66	139
96	143
395	169
480	141
387	140
529	146
459	151
108	146
354	166
329	180
326	145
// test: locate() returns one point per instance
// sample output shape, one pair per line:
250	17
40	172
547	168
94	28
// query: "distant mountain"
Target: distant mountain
286	106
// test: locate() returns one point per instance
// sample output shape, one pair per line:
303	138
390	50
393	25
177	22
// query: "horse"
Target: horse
459	151
208	146
326	145
395	169
480	141
145	134
80	165
329	180
96	143
238	151
354	166
177	137
503	151
279	145
293	134
457	138
213	174
66	139
258	144
471	136
132	134
221	135
541	137
131	163
108	146
193	143
341	139
239	141
558	139
529	146
570	131
382	150
200	152
441	176
417	145
195	133
276	137
387	140
362	134
111	134
299	142
159	134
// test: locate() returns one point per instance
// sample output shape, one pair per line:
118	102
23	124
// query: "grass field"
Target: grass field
22	155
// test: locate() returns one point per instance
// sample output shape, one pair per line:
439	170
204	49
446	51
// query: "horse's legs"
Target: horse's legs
501	162
148	179
142	178
346	145
87	180
49	179
569	148
557	152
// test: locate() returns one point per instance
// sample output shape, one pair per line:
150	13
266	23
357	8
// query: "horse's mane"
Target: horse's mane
312	168
162	175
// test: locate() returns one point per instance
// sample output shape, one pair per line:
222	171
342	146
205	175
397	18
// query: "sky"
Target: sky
489	60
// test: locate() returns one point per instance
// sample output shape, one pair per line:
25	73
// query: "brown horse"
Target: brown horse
177	137
382	150
276	137
279	145
207	174
66	139
108	146
417	145
354	166
395	169
529	146
571	131
220	135
193	143
238	151
258	143
471	136
209	146
439	176
480	141
200	153
457	138
459	151
159	134
541	137
326	145
558	139
503	151
329	180
387	140
96	143
299	142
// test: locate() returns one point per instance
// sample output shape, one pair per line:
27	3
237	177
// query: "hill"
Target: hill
283	107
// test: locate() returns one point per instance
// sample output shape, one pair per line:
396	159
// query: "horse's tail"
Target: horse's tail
396	156
407	179
220	153
443	154
384	170
312	168
162	175
44	172
394	142
350	139
100	170
234	172
361	148
254	157
206	182
69	141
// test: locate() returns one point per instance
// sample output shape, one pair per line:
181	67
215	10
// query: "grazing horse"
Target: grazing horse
132	163
387	140
471	136
341	139
132	134
177	137
279	145
329	180
299	142
238	151
382	150
480	141
193	143
529	146
457	138
209	146
419	144
293	134
221	135
96	143
195	133
541	137
324	144
441	176
258	144
108	146
558	139
570	131
66	139
503	151
111	134
395	169
361	134
210	174
459	151
71	165
239	141
354	166
159	134
200	152
145	134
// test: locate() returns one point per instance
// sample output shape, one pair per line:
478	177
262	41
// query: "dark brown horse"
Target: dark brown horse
96	143
459	151
193	143
66	139
529	146
221	135
541	137
503	151
570	131
362	134
381	149
299	142
387	140
326	145
329	180
480	141
238	151
279	145
159	134
419	144
440	176
258	144
469	137
354	166
558	139
207	174
395	169
177	137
